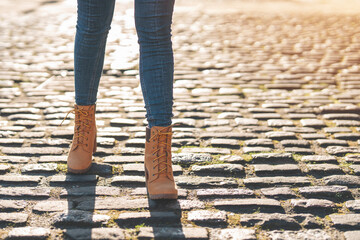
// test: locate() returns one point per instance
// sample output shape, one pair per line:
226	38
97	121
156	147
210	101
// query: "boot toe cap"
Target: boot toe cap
163	188
79	162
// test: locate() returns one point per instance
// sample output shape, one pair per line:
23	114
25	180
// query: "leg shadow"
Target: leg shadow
165	219
78	222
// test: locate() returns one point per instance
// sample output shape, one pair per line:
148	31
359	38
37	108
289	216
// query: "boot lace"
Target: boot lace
166	147
81	126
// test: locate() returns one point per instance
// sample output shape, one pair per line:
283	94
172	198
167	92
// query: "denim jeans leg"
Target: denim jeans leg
153	20
93	24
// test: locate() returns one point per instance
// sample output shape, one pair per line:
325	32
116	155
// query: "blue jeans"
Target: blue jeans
153	20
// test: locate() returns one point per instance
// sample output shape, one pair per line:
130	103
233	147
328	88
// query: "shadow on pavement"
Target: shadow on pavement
78	192
165	211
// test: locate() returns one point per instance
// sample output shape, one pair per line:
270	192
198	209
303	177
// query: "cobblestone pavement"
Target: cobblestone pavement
267	145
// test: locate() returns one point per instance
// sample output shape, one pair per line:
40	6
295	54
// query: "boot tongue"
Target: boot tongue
80	118
77	119
163	140
162	151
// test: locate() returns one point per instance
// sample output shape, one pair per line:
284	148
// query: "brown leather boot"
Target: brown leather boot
84	139
160	182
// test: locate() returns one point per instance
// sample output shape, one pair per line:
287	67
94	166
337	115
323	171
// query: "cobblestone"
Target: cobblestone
29	233
249	205
279	135
209	217
224	193
331	142
232	233
128	181
269	221
138	169
13	218
200	182
71	179
347	136
11	205
25	192
295	143
333	192
346	221
356	169
339	151
38	168
137	218
347	180
315	123
89	191
266	145
113	203
272	158
351	235
219	170
19	179
52	206
281	170
352	159
312	205
323	169
278	193
259	142
95	233
182	193
78	217
319	159
13	159
297	235
277	181
353	205
32	151
173	233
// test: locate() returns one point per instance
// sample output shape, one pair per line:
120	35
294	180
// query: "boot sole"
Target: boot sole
163	196
79	171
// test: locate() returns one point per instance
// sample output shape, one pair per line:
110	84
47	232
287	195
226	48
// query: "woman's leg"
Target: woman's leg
153	24
153	20
93	24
